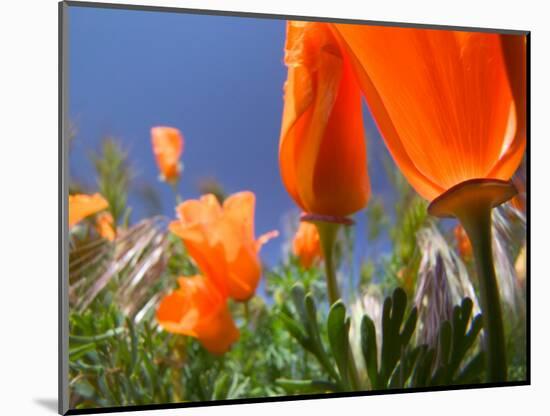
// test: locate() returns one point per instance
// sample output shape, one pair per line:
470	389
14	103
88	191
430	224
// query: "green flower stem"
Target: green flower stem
174	185
476	220
246	312
328	231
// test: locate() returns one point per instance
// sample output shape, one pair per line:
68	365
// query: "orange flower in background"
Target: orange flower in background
442	101
105	227
306	244
322	149
197	309
82	206
167	148
462	242
221	241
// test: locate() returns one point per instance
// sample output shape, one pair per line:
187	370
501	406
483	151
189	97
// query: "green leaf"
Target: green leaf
422	372
398	311
472	371
409	327
298	295
338	339
445	339
306	386
369	349
294	329
76	339
221	387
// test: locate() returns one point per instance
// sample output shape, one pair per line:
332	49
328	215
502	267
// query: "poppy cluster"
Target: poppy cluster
220	238
450	107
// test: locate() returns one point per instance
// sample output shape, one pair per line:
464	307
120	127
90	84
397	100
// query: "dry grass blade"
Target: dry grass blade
135	295
135	261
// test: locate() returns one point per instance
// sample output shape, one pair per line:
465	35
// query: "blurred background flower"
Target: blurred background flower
168	147
82	206
221	240
198	310
306	244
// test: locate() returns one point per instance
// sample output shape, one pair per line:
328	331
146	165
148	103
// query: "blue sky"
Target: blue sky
218	79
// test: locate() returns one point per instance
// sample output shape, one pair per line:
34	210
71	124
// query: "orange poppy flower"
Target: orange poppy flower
221	241
442	101
105	227
82	206
197	309
307	244
167	148
322	149
462	242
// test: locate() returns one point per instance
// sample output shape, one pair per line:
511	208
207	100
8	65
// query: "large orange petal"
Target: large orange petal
420	182
440	98
514	51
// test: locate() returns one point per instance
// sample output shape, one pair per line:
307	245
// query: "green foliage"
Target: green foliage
281	279
292	342
453	360
399	221
396	335
377	218
403	365
301	322
399	364
113	178
114	362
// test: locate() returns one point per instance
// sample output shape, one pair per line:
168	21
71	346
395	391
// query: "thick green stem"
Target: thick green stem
246	312
476	220
328	231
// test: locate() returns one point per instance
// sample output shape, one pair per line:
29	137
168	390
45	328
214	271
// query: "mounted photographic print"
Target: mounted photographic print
263	208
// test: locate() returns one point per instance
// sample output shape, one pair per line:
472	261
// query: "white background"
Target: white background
28	204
